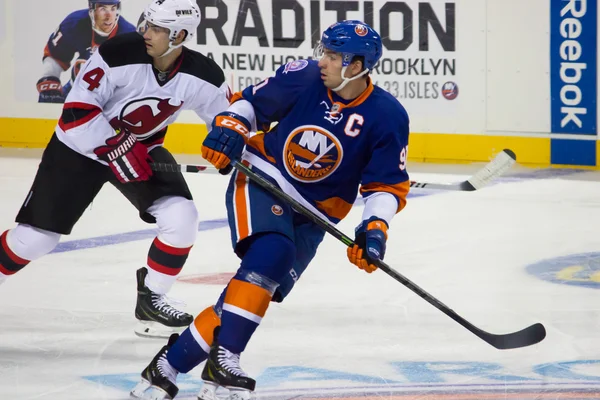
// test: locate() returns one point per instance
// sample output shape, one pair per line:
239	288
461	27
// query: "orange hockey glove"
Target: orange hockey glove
226	140
371	236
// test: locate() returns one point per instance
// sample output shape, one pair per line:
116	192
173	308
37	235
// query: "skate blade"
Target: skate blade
145	391
209	392
151	329
156	393
139	389
239	394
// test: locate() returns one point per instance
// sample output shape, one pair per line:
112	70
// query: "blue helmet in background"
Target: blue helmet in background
353	38
92	3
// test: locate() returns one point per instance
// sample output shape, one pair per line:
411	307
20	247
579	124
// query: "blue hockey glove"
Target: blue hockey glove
370	239
226	140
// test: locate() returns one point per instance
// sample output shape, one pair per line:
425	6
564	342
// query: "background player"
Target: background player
81	32
336	132
135	86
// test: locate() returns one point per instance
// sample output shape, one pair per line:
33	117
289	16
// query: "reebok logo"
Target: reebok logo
573	66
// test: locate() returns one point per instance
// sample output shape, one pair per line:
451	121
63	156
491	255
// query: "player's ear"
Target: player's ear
180	36
357	66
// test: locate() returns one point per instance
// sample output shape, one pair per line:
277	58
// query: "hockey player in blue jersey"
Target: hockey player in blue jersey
336	133
81	32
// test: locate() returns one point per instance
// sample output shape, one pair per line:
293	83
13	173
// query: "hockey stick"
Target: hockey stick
169	167
501	163
526	337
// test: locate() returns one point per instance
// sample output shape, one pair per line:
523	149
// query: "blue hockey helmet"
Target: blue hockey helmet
352	38
94	2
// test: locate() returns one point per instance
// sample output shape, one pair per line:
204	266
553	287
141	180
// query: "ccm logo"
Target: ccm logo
49	86
232	124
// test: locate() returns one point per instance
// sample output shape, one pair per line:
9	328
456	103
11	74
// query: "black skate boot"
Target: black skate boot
223	369
157	318
158	378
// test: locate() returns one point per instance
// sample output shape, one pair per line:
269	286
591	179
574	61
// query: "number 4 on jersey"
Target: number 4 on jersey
93	78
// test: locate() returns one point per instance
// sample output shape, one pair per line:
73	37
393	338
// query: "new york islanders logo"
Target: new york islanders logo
311	153
361	30
450	90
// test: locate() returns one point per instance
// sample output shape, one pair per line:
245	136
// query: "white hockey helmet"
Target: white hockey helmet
176	16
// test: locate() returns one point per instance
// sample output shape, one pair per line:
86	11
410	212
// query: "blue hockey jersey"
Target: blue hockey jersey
323	147
75	35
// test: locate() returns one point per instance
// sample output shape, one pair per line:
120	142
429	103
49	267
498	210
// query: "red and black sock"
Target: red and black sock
166	259
10	263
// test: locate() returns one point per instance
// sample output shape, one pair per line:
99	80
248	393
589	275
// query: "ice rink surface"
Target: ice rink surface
523	250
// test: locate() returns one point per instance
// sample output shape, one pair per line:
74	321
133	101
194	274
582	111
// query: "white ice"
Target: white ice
66	320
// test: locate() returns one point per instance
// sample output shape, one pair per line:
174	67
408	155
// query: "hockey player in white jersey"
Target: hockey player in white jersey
113	124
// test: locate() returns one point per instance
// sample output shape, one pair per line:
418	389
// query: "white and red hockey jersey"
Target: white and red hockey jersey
118	87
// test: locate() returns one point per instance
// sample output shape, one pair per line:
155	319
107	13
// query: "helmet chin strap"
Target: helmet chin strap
345	80
171	48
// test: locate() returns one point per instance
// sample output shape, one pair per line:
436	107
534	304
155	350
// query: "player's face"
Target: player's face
331	68
105	17
157	40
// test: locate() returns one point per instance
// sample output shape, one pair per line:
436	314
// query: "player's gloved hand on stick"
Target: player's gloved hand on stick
226	140
370	239
50	90
128	158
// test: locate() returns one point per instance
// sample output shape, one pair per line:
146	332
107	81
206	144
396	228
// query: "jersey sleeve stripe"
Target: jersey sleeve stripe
83	106
77	114
400	190
63	64
335	207
235	97
257	142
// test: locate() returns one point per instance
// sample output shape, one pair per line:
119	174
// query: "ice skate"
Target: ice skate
158	378
157	318
223	369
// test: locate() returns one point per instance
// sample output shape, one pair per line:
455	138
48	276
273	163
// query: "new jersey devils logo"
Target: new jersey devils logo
144	117
311	153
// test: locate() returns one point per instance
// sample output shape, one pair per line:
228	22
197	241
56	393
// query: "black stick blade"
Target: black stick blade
526	337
